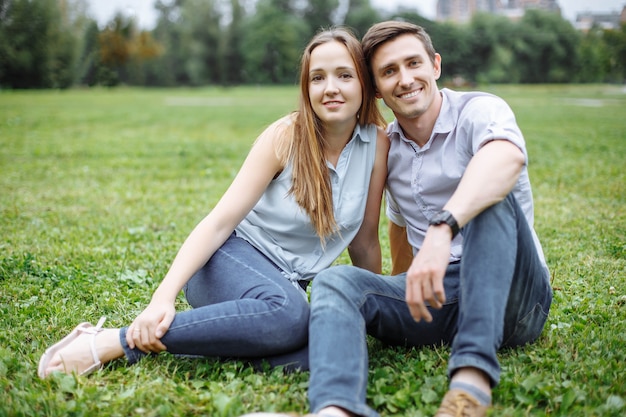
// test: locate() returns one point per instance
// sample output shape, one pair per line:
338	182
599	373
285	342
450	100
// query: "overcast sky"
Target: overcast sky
103	10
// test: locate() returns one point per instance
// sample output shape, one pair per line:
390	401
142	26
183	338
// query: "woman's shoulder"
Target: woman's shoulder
278	135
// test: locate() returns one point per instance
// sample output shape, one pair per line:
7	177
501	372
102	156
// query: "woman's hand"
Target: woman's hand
147	329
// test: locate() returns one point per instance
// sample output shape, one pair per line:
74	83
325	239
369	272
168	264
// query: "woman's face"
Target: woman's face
334	87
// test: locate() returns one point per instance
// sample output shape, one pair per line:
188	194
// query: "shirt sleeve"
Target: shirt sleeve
392	211
490	118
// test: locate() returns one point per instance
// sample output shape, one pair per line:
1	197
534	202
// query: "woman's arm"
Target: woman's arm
364	249
257	171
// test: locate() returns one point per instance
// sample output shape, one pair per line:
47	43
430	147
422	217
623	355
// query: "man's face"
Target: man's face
405	77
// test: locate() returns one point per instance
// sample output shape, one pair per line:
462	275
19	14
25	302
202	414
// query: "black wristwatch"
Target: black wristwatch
446	217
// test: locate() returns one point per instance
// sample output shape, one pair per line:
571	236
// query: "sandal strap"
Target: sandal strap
93	331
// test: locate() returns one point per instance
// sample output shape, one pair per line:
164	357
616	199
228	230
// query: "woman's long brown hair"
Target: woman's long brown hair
311	180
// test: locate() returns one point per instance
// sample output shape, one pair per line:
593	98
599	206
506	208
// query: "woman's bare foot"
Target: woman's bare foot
82	353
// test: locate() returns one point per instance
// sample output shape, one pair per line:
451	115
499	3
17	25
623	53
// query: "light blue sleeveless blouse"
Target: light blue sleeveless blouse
281	229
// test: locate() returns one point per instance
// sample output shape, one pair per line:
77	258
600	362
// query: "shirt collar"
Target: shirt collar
357	133
444	124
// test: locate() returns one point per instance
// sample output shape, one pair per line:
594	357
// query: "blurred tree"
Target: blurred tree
124	51
53	44
89	59
615	41
65	41
200	39
360	16
594	57
232	56
490	50
320	14
547	50
167	70
273	42
452	43
25	59
115	49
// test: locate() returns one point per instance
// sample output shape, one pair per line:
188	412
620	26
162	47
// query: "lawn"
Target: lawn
98	188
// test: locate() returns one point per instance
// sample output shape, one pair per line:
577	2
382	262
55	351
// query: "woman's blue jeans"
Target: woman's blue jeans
243	307
498	295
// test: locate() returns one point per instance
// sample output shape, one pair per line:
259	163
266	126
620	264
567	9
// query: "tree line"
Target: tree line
55	44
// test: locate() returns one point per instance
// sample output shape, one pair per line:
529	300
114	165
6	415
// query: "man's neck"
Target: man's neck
420	128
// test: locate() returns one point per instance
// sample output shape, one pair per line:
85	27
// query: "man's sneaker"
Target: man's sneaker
458	403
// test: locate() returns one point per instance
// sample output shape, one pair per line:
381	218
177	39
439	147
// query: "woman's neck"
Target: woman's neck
335	139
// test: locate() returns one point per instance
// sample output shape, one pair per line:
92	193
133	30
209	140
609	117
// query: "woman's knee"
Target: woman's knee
289	327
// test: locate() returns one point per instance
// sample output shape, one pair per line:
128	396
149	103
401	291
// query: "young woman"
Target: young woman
310	187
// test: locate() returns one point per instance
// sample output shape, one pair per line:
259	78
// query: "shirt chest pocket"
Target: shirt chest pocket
350	209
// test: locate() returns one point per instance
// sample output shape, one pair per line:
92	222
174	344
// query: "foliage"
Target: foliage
53	44
360	16
615	43
320	14
273	43
26	59
100	187
548	48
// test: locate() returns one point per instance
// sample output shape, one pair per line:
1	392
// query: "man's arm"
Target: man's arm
489	178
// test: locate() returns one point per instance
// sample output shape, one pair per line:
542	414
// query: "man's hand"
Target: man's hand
424	278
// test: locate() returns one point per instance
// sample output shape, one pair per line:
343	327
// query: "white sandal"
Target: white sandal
83	328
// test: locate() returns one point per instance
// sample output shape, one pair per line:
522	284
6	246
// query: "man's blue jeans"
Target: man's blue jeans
498	295
243	307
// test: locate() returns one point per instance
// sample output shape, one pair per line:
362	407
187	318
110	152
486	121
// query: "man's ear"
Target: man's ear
376	92
437	66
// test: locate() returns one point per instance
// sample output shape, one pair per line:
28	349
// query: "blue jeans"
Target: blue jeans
243	307
498	295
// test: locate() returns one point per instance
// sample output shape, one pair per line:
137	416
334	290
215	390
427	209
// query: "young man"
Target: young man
457	181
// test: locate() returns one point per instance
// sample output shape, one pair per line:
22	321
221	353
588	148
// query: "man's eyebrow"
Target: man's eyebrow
416	57
386	66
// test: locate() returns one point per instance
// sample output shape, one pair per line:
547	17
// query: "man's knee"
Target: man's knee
330	277
334	281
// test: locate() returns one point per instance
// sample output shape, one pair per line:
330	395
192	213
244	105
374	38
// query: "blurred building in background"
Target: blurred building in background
608	21
461	11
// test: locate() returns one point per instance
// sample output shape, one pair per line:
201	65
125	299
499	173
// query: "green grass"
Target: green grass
98	188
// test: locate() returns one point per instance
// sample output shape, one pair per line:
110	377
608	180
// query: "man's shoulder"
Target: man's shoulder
393	130
464	98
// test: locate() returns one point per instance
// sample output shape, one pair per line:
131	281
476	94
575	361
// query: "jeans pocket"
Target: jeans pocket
527	329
